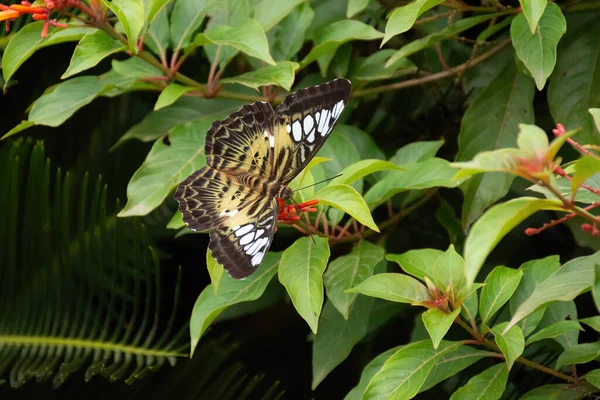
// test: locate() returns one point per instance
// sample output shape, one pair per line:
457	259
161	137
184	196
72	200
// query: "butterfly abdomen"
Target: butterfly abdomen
266	186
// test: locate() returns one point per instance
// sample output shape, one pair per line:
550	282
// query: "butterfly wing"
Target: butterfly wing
243	141
242	241
303	122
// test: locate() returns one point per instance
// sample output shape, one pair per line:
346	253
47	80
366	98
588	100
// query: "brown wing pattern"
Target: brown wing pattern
241	142
303	122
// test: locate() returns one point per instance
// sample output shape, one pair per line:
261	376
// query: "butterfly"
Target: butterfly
251	157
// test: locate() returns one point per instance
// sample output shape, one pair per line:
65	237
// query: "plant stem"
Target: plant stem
570	206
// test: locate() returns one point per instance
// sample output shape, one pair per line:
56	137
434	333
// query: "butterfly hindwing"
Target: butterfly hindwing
242	241
242	142
303	122
208	197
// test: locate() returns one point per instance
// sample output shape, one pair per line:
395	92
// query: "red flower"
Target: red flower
289	212
10	13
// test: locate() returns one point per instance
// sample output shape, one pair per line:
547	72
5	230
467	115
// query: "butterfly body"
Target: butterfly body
251	157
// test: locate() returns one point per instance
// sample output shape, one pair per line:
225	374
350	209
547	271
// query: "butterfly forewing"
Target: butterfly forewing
303	122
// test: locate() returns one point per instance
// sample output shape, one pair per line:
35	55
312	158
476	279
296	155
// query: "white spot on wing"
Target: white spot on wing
247	238
272	141
243	230
339	106
308	123
297	130
259	232
324	123
258	257
252	248
288	128
311	137
235	228
228	213
265	134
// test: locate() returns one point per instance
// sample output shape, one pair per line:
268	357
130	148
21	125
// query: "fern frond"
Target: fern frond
78	287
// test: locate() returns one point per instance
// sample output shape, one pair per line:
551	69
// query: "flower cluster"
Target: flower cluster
10	13
289	212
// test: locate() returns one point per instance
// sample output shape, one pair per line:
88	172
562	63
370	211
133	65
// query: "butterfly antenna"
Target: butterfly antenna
306	222
324	180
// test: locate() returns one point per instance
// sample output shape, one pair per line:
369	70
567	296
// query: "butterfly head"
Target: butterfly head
285	192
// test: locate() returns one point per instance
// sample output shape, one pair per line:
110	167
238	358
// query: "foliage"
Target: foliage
483	294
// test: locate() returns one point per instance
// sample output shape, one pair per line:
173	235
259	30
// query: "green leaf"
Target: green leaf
347	199
153	7
186	18
416	151
584	168
373	67
157	35
248	37
487	232
488	385
495	115
403	373
159	123
420	175
557	312
360	169
368	372
231	291
176	221
281	75
361	140
348	271
287	37
533	10
537	50
575	86
355	7
449	274
166	166
56	107
215	270
301	272
553	331
501	160
499	286
418	263
593	377
511	342
342	150
532	141
430	40
19	128
470	307
403	18
131	15
332	36
438	323
270	12
563	285
27	40
558	391
453	363
337	336
171	94
593	322
595	113
579	354
92	49
393	287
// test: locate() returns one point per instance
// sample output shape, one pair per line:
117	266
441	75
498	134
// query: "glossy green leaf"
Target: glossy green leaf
593	322
558	391
166	166
153	7
159	123
156	37
558	312
595	113
337	336
449	274
270	12
533	10
393	287
215	271
470	306
171	94
92	49
499	286
27	41
416	151
418	263
301	272
186	18
136	68
342	149
231	291
585	167
501	160
511	342
330	37
488	385
430	40
281	75
368	372
373	67
494	115
579	354
360	169
403	18
348	271
532	141
537	50
487	232
593	377
553	331
131	15
287	37
438	323
575	86
403	373
420	175
563	285
453	363
355	7
19	128
347	199
249	38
